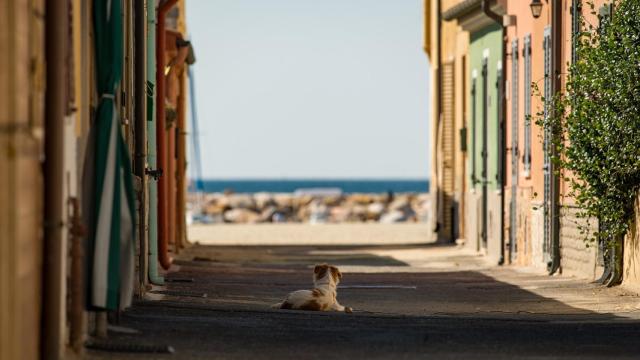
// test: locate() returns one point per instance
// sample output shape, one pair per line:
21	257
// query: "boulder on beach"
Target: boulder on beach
222	200
241	216
401	203
241	201
333	200
267	214
362	199
318	212
263	200
340	214
394	216
306	207
283	199
423	208
374	210
358	213
214	209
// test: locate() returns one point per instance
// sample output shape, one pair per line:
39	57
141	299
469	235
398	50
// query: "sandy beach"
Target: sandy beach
308	234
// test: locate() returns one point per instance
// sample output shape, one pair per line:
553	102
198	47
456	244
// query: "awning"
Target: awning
463	8
470	16
113	239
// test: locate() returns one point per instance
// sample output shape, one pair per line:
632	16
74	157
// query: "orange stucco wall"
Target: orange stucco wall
530	186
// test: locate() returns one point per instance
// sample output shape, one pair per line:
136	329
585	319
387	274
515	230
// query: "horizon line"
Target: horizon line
309	179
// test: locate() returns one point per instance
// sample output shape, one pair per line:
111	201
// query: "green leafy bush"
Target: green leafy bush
595	122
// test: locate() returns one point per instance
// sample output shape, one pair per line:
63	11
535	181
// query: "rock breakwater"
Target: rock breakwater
309	208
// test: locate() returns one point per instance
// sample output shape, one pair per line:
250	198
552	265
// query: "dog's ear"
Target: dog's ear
320	271
335	272
320	268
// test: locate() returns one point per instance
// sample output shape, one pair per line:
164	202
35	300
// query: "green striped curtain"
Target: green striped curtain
111	285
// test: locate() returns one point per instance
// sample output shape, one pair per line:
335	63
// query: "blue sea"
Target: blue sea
291	185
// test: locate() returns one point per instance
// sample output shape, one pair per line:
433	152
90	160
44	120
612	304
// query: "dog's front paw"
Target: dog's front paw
348	310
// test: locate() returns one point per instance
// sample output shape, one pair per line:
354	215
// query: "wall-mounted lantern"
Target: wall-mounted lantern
536	8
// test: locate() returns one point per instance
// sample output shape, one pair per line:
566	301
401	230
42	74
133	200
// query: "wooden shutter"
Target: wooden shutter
448	146
514	150
576	9
474	178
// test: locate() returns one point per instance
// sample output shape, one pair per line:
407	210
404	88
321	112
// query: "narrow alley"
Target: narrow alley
469	170
408	301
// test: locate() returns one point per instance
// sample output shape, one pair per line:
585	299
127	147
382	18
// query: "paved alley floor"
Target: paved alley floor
410	301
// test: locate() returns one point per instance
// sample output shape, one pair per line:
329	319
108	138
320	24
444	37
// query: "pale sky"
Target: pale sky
311	88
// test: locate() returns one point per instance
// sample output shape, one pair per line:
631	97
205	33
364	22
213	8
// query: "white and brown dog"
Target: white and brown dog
322	297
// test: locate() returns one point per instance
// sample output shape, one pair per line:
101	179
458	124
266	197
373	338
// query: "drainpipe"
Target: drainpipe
154	277
486	9
163	220
556	65
140	158
182	163
53	301
171	184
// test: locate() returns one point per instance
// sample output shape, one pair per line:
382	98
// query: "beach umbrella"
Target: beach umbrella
112	245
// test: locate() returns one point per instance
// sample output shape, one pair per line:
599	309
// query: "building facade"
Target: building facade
479	128
528	40
22	89
67	64
446	46
495	66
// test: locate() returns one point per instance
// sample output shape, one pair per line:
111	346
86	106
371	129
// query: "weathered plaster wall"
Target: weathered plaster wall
524	248
537	236
473	215
578	257
22	86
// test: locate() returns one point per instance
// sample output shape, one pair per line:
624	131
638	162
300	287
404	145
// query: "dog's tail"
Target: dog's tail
282	305
277	306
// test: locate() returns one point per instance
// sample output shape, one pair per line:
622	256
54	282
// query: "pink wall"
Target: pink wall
526	24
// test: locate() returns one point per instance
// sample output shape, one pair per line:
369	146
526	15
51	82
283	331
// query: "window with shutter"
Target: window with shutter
474	128
514	109
484	154
514	149
604	15
501	125
526	154
576	8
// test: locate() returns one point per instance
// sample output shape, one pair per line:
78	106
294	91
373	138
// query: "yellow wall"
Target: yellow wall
21	188
449	49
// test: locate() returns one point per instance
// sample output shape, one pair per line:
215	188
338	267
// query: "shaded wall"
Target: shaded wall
578	257
485	43
22	85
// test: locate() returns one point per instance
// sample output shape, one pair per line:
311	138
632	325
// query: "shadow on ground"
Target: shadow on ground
217	306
